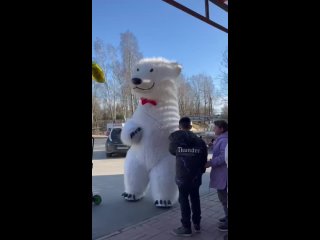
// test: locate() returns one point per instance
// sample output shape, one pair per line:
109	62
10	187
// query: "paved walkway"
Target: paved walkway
160	226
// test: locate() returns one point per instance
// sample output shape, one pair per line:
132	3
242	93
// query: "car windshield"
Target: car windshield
115	133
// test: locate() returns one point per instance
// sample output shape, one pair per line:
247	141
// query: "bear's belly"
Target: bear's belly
153	147
154	144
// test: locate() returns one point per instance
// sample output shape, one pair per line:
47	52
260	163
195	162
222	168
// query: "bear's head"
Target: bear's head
155	78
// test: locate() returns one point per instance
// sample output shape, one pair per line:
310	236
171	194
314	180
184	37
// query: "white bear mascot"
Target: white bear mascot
148	161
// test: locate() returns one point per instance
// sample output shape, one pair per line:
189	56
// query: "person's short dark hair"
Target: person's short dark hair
221	124
185	123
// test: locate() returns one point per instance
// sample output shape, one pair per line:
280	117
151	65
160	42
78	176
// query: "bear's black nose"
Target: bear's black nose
136	81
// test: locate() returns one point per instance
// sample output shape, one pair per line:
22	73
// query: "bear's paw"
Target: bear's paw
131	197
136	134
163	203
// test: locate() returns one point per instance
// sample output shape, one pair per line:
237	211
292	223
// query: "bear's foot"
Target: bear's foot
163	203
131	197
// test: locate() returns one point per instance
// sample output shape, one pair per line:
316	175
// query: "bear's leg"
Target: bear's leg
162	182
135	179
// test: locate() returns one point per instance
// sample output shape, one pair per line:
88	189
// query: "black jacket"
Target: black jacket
191	156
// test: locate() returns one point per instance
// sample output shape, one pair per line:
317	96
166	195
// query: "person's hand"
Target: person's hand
208	164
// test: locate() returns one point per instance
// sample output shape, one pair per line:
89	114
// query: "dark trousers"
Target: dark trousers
223	197
184	192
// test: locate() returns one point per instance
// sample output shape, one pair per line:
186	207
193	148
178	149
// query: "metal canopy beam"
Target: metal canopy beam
220	4
199	16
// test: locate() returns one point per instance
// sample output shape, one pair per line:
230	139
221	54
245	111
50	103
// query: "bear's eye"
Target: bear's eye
137	69
151	70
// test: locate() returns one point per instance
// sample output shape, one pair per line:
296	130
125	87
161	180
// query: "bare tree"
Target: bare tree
101	91
118	64
195	83
130	56
221	94
224	112
203	94
97	114
208	92
224	73
115	77
185	95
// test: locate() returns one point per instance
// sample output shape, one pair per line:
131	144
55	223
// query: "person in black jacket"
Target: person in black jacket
191	157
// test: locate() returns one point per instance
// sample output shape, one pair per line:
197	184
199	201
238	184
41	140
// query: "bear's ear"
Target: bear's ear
177	68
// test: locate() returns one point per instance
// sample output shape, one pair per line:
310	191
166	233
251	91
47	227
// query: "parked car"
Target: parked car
114	143
207	137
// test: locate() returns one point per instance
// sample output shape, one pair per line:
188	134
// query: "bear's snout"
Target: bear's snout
136	81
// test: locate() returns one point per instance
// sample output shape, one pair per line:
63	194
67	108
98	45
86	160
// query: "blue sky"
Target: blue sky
165	31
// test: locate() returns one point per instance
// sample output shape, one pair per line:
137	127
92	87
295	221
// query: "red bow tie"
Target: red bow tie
145	100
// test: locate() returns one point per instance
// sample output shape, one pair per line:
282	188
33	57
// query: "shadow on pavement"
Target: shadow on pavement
114	213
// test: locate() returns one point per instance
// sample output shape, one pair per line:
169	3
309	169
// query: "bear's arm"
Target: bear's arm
128	131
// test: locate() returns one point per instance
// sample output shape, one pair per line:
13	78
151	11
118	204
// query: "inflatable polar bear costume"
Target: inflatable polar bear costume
148	161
